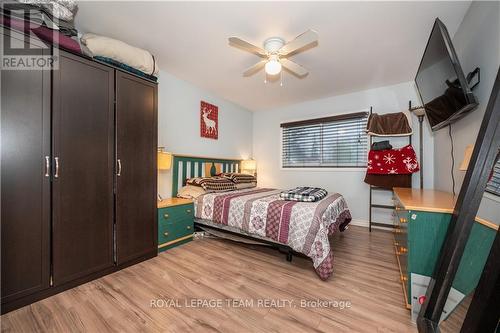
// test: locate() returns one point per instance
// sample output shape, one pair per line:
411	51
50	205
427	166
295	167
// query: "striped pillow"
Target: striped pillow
216	184
239	178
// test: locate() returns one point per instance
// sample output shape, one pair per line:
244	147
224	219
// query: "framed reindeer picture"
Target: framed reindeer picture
209	120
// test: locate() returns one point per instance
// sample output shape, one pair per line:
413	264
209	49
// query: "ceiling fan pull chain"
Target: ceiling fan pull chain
281	79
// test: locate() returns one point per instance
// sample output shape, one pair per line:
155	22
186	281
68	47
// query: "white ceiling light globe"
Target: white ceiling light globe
273	67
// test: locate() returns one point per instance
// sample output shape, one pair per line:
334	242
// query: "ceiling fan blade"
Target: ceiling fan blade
303	40
294	67
244	45
255	68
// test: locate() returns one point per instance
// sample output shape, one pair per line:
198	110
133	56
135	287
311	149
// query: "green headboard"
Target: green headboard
185	167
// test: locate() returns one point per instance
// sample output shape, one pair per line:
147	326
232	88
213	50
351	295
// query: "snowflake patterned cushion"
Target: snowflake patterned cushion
399	161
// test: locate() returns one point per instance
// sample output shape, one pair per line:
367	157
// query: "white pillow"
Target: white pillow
120	51
190	192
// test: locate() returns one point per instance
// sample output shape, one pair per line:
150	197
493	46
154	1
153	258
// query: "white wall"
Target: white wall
477	42
179	125
267	151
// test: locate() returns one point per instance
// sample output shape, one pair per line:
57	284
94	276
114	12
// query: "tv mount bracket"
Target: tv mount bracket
471	75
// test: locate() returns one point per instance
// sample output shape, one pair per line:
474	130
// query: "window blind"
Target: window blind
338	141
493	185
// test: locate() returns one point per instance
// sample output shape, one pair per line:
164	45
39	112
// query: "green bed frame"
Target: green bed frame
185	167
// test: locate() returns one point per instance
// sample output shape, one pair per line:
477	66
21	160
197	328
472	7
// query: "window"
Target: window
337	142
493	185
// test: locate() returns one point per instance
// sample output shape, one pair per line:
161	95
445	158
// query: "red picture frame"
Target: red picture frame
209	120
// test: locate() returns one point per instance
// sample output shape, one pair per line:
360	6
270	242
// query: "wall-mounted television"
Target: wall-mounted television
440	81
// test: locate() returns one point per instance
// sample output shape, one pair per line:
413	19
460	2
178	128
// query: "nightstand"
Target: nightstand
175	222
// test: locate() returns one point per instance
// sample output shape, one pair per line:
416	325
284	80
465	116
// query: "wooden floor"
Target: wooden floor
365	274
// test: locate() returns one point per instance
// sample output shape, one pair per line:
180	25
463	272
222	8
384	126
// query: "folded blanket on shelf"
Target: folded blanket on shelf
38	16
50	36
122	52
390	124
392	161
60	9
388	181
381	145
304	194
126	68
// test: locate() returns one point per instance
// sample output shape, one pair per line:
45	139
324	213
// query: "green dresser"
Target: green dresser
175	222
421	222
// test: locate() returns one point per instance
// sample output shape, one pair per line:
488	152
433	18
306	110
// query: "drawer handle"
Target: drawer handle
166	216
403	249
188	211
403	220
396	243
165	234
404	278
188	227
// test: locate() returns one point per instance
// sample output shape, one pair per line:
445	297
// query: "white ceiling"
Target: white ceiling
361	44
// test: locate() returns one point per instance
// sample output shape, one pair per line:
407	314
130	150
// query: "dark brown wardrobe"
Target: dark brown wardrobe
78	176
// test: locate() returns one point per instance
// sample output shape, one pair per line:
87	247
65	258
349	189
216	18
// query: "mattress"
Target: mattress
261	213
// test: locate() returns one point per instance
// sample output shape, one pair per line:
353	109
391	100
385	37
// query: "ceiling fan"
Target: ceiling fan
276	52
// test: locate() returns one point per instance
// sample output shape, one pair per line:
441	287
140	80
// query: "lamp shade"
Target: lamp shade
467	155
248	166
164	160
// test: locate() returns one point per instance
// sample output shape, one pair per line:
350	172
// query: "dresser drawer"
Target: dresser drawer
400	238
401	215
170	231
175	213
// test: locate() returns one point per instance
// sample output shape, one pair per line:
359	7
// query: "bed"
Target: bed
259	213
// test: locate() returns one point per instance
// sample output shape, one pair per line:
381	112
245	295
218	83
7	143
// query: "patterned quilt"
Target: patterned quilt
304	226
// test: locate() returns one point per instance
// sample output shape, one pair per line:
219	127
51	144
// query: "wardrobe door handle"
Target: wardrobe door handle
56	173
119	172
47	166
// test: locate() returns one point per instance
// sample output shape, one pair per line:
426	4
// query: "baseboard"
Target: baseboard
364	223
359	223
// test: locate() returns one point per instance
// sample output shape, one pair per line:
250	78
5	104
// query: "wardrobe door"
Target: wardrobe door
136	130
25	185
83	150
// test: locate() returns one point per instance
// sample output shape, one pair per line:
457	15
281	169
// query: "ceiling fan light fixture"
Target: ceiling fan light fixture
276	53
273	66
